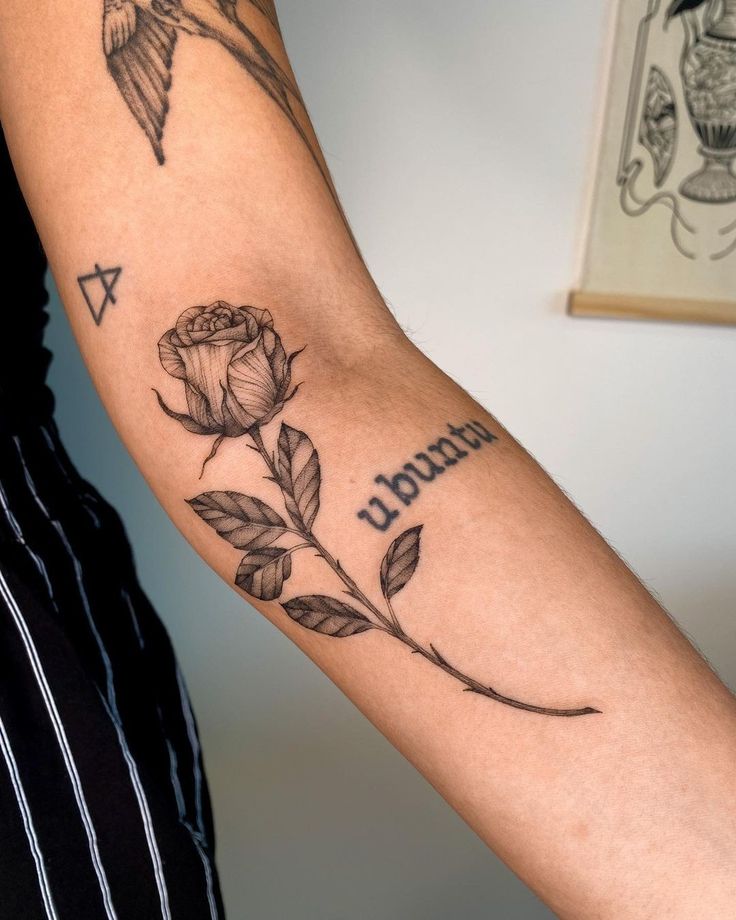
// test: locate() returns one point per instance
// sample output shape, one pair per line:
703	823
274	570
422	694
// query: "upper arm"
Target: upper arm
168	140
167	136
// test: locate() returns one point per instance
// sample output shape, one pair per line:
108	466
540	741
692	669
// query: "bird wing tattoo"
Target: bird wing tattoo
269	11
139	38
139	49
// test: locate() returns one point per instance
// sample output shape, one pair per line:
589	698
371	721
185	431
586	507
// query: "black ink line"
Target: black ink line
108	287
406	485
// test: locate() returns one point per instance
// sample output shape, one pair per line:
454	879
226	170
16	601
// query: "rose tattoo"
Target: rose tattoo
237	379
236	373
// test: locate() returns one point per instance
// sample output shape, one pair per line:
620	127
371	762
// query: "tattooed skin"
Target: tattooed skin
98	290
139	39
268	8
237	378
406	486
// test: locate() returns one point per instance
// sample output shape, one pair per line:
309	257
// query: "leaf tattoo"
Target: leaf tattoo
300	476
327	616
245	522
263	572
139	38
400	562
237	378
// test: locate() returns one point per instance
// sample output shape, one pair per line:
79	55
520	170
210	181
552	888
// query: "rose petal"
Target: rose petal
222	309
276	356
278	406
262	317
236	419
250	323
184	322
251	382
200	408
239	333
170	357
206	369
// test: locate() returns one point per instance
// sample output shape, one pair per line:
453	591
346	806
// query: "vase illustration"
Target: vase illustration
708	71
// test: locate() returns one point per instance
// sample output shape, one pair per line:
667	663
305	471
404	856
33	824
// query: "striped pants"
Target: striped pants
104	808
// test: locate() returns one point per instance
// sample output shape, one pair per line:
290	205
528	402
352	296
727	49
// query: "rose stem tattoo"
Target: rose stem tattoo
237	379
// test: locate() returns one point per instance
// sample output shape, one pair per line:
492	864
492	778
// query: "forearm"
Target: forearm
513	595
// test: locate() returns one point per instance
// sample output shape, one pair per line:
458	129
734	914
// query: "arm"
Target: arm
595	750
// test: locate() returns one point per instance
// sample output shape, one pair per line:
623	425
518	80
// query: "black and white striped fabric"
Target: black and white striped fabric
104	807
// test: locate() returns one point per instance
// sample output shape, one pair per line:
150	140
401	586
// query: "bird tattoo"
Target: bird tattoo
139	38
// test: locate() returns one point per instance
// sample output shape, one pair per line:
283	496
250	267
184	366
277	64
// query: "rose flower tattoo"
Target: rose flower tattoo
237	378
235	370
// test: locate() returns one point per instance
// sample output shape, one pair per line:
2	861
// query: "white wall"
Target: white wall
459	135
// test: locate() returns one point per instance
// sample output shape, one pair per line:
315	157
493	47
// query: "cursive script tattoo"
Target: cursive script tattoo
98	290
139	39
405	487
237	378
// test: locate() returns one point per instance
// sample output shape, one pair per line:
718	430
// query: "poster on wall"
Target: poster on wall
661	240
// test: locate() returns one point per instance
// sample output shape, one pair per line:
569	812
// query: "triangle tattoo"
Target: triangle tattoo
98	290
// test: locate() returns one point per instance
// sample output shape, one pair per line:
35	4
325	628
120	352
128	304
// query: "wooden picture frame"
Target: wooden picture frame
661	228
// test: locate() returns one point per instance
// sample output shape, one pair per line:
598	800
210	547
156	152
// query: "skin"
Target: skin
630	813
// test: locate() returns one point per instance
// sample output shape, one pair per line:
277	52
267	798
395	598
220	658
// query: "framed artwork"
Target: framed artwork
661	240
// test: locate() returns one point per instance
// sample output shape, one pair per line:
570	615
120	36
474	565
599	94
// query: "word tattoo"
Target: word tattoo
237	378
98	290
425	467
139	38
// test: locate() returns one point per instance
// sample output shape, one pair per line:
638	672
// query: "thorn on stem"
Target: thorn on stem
439	657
